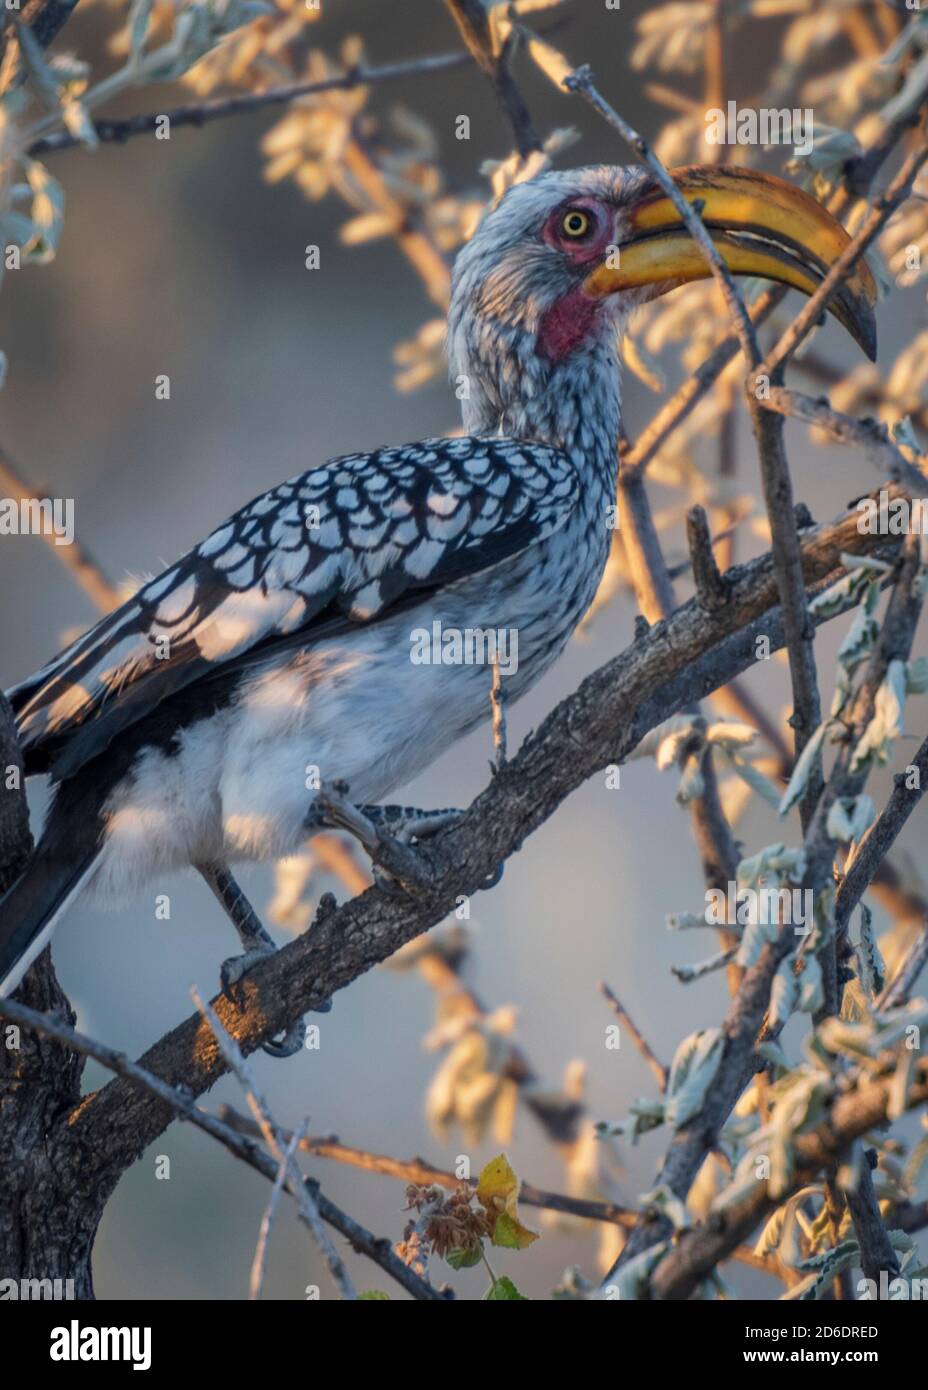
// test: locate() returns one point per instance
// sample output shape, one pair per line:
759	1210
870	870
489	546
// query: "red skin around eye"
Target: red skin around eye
568	321
580	250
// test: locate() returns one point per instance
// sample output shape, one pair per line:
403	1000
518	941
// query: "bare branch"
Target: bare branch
859	872
870	435
675	663
267	1220
876	1253
201	113
781	513
710	587
83	568
298	1189
470	16
181	1104
658	1070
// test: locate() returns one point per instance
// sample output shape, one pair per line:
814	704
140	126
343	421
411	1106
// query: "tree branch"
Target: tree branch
851	1115
201	113
181	1103
675	663
473	25
880	838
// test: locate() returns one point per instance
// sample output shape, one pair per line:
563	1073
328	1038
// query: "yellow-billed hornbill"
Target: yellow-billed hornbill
179	730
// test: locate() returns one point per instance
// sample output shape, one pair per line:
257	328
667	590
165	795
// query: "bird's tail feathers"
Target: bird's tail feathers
31	909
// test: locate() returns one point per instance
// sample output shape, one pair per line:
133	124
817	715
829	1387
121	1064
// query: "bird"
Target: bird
199	724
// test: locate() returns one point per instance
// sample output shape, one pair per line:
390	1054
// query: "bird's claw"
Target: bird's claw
235	968
422	825
388	883
233	971
493	879
291	1042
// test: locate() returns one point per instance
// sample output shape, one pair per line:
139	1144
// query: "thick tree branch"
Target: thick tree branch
181	1103
678	661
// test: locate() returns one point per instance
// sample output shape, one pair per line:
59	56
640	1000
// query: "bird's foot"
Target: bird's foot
408	824
258	945
233	971
394	828
388	833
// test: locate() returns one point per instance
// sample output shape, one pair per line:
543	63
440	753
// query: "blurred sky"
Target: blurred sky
177	258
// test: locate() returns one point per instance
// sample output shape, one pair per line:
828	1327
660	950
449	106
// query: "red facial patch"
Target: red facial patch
566	324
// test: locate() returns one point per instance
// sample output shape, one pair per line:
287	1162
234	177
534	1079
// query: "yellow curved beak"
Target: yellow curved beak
762	226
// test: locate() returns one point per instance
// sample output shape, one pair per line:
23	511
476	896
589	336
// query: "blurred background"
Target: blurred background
178	257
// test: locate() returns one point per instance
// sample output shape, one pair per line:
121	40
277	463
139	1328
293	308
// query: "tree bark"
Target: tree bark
47	1225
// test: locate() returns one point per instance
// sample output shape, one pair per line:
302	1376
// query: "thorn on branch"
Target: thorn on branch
711	589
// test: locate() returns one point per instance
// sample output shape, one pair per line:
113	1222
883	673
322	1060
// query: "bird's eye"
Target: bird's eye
576	223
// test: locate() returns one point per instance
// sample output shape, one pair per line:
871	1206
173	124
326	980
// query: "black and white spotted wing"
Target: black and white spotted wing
352	537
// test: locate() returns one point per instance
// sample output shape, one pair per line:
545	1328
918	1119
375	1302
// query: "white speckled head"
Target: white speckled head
523	341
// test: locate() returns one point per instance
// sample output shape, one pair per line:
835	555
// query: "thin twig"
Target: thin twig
710	586
267	1220
297	1187
671	415
873	847
686	974
658	1070
473	25
178	1103
76	560
870	435
416	1170
812	310
498	703
582	83
903	982
202	113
